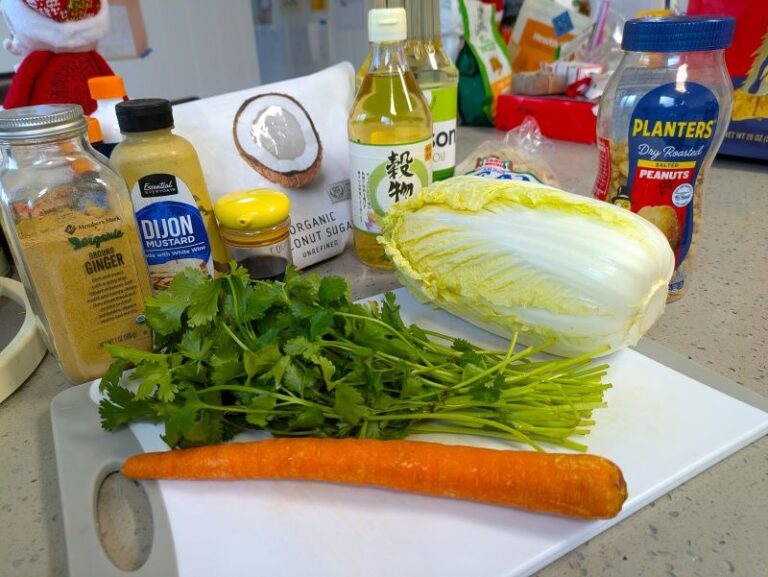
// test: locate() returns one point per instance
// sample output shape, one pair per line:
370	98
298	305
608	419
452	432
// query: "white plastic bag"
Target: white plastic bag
320	210
522	155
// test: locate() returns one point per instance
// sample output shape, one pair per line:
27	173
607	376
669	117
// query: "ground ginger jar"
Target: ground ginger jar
662	118
68	218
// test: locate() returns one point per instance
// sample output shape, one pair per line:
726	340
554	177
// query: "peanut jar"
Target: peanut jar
662	118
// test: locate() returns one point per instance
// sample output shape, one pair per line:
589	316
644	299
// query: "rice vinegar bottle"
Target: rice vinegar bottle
363	70
390	135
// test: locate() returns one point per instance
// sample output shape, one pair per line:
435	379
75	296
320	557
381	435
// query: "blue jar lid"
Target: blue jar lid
678	33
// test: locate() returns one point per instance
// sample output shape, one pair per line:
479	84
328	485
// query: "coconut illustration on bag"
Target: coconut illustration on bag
275	135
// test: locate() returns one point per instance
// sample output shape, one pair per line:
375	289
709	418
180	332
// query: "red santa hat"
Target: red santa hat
57	25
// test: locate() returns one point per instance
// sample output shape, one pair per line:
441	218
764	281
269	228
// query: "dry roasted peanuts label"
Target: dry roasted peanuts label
382	175
653	168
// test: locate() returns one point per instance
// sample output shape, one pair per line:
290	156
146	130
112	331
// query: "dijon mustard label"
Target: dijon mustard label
171	227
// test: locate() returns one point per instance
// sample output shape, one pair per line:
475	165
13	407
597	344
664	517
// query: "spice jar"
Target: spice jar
662	118
71	230
255	226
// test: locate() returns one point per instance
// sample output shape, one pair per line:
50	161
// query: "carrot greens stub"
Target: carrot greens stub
299	358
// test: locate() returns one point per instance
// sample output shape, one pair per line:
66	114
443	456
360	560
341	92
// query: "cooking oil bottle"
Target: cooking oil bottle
390	135
438	79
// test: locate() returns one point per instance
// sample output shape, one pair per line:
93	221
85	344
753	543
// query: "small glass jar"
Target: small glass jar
71	230
255	227
662	118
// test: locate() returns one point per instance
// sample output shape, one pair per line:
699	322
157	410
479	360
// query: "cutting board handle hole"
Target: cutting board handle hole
124	521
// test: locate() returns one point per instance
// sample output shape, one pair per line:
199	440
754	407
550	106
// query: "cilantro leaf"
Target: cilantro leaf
260	361
390	312
462	346
333	289
301	347
348	402
417	332
486	391
278	370
164	312
262	405
308	418
194	345
119	407
320	323
227	372
133	356
185	284
326	369
297	377
154	379
262	297
205	303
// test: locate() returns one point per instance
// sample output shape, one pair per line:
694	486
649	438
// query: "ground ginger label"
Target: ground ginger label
88	256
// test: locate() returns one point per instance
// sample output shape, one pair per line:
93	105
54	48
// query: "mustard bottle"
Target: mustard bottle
168	192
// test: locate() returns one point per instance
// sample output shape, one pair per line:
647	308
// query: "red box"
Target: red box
558	117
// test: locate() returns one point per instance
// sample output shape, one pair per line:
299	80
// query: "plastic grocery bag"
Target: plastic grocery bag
290	136
522	155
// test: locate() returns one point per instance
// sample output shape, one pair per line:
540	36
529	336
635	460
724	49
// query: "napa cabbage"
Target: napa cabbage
516	257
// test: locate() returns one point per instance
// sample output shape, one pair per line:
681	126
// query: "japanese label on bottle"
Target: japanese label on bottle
382	175
171	228
656	171
443	104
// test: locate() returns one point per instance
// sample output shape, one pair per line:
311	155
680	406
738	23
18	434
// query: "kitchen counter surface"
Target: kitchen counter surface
715	525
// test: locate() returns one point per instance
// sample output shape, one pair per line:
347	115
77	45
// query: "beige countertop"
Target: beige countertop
715	525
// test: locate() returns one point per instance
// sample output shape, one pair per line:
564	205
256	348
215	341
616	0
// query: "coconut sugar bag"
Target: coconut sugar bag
290	136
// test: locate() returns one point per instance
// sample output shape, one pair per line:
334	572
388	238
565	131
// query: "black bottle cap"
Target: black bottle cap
144	114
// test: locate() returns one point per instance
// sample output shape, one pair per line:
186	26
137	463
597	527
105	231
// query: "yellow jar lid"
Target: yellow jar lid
252	209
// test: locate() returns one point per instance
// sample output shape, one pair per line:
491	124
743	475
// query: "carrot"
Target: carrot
584	486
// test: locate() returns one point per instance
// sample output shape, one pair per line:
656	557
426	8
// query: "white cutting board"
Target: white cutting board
657	428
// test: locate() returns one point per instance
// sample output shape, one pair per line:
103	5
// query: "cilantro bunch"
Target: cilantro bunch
299	358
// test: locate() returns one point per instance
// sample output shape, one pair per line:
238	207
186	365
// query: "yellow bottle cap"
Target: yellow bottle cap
252	210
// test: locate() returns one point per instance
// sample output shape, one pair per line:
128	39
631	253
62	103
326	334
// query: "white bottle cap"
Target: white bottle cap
387	25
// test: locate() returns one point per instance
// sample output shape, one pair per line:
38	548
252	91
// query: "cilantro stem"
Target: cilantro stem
291	399
389	328
430	429
470	419
234	338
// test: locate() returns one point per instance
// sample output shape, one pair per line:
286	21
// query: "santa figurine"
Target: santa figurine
57	39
